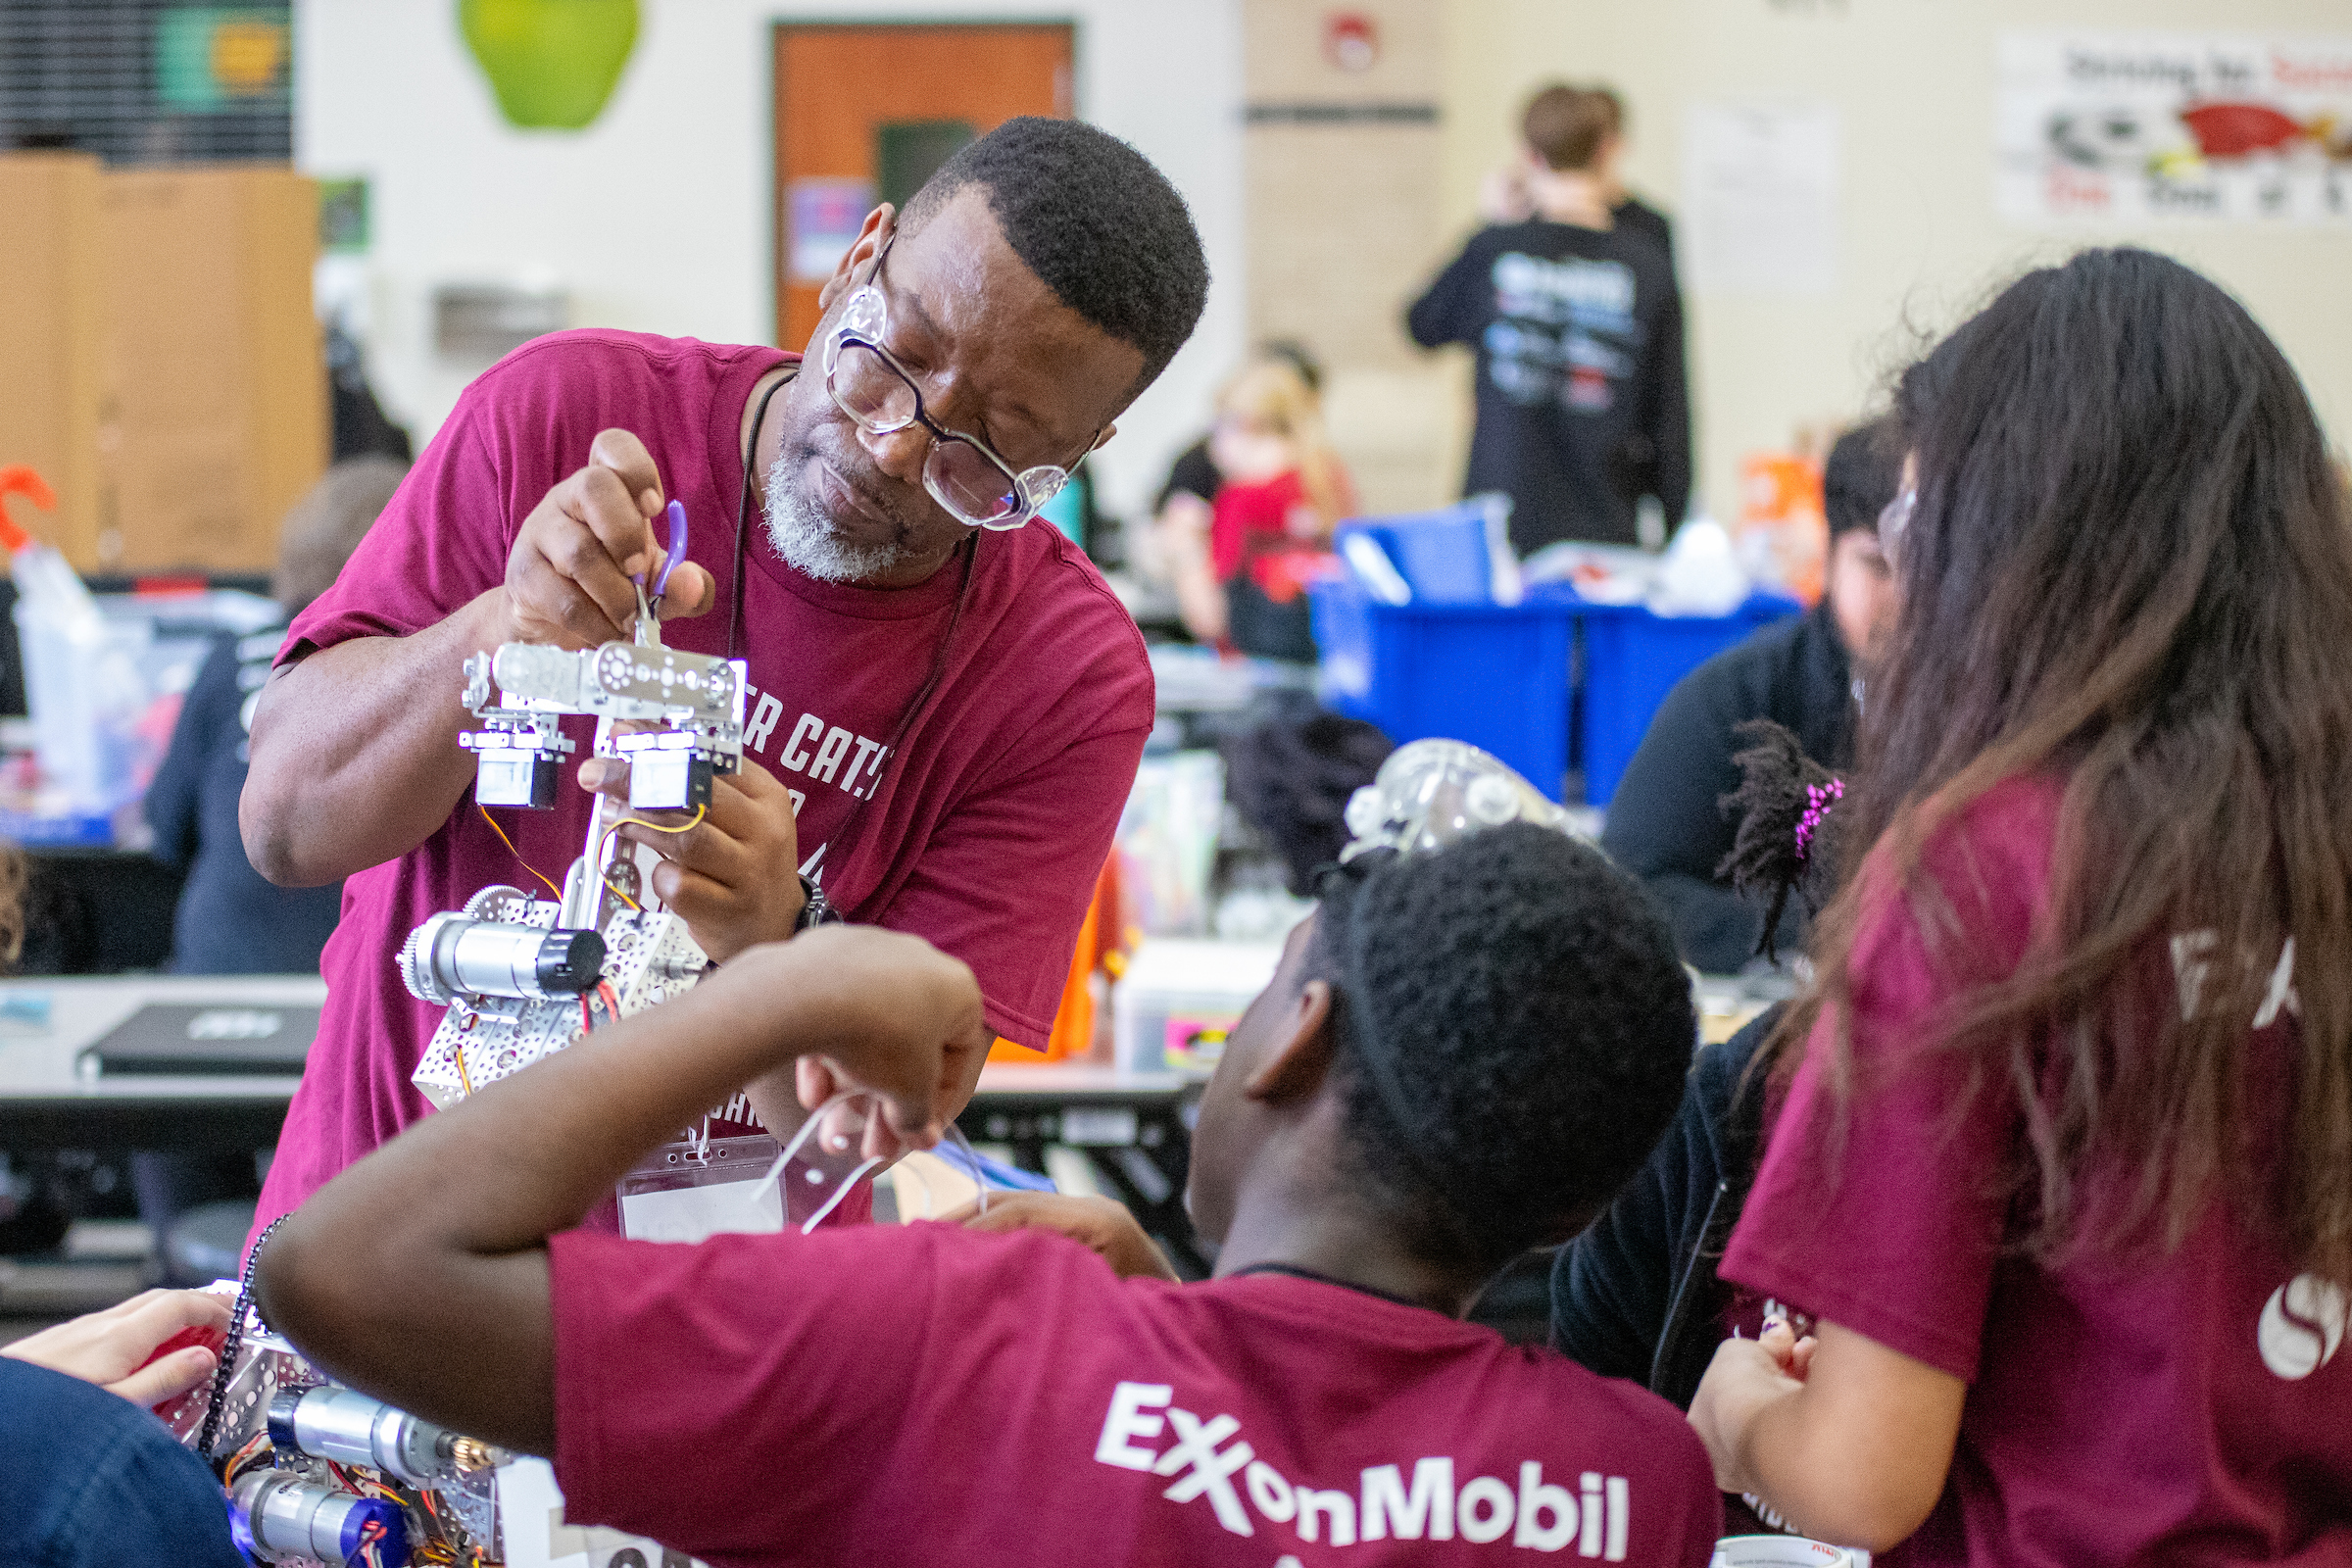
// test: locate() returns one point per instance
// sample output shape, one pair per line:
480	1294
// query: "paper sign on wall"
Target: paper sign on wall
2130	127
1760	198
826	215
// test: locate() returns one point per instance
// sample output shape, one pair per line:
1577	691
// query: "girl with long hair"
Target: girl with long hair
2063	1171
1284	490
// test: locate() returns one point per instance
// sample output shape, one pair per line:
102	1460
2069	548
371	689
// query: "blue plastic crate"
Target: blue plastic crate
1493	675
1442	554
1633	658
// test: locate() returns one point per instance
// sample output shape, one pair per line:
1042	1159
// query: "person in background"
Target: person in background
1583	401
230	920
1283	493
88	1477
1447	1023
1185	521
1636	1294
1666	824
2063	1171
1190	494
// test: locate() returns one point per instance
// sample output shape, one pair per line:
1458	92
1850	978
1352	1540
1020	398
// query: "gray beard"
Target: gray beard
810	543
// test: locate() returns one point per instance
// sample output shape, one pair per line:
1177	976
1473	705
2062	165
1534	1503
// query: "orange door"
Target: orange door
862	112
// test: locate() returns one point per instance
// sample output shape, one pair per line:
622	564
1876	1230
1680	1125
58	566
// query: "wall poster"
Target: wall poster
2232	128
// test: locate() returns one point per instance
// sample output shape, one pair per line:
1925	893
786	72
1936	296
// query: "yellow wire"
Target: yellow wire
517	854
686	826
615	888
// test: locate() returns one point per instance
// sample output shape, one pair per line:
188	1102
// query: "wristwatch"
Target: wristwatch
819	910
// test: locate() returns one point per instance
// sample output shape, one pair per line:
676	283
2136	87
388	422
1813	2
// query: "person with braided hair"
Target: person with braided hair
1666	823
1637	1294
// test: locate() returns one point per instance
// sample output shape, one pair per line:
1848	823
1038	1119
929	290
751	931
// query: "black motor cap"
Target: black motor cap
570	961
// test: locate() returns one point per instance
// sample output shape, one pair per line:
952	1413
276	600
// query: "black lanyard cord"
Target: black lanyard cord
970	549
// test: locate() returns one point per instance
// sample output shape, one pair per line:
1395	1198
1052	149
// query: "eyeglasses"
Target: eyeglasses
962	472
1895	518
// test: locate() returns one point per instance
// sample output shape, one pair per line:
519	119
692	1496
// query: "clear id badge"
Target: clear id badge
699	1187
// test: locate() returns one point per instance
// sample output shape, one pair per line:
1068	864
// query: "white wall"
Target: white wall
1920	241
659	216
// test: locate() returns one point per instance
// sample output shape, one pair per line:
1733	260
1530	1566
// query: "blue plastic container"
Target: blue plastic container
1442	554
1493	675
1631	659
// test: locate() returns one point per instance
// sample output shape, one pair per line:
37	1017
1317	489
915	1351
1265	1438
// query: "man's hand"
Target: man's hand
734	877
567	577
1100	1225
107	1348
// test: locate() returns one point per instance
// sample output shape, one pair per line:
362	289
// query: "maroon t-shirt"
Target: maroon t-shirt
2189	1407
985	837
927	1394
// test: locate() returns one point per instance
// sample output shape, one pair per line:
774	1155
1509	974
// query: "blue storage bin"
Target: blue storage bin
1493	675
1443	556
1633	658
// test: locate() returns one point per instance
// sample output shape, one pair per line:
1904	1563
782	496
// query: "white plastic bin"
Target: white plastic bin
1179	998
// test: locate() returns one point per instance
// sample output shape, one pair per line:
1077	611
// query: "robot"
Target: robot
524	976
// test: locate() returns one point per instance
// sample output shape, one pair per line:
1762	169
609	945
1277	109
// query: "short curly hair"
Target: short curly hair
1514	1030
1097	224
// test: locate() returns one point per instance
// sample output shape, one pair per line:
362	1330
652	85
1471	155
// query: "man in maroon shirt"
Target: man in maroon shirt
1462	1055
944	718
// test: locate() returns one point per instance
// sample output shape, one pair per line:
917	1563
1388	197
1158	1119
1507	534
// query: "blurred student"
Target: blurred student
1190	489
1583	406
1282	489
1188	498
1666	824
88	1477
2064	1168
230	920
1448	1023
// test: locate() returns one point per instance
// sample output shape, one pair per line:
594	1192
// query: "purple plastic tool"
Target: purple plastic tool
677	547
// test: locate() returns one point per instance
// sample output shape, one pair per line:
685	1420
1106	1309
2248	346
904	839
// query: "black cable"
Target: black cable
232	1345
743	512
939	658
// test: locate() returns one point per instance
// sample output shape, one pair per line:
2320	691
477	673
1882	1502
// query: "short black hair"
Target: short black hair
1863	474
1097	224
1514	1030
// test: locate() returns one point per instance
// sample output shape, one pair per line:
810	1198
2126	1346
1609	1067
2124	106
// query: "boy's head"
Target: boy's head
1471	1049
1570	130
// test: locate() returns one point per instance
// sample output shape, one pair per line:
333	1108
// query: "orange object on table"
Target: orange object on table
1783	527
1103	943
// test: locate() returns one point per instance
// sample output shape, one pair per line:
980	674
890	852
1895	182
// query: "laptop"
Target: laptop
227	1037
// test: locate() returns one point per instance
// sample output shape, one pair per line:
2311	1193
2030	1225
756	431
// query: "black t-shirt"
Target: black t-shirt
1637	217
1582	402
230	920
1191	473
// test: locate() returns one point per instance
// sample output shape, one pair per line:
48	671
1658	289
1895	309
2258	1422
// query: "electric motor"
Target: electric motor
274	1515
452	956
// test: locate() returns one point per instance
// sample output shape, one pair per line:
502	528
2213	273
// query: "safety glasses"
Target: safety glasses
962	472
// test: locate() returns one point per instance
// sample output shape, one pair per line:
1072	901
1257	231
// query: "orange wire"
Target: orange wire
517	854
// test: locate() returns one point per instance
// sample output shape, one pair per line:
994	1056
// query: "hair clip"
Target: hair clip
1819	797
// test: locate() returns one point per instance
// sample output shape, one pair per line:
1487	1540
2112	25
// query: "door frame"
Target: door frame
779	200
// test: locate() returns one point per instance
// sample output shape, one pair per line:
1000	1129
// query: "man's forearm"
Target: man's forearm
355	751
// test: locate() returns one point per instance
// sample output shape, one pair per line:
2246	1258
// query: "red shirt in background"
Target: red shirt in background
928	1394
985	838
2186	1408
